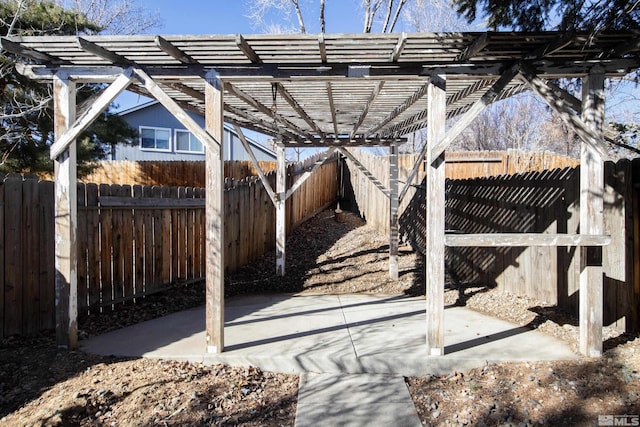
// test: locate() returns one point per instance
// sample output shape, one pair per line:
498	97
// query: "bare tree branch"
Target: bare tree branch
397	14
387	16
296	6
322	21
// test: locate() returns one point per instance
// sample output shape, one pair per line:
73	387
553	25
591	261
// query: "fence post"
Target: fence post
214	215
435	203
281	190
393	212
591	219
66	216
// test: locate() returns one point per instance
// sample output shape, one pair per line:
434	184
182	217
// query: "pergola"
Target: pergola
336	91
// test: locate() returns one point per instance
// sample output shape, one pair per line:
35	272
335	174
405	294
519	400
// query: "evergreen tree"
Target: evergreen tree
26	119
563	15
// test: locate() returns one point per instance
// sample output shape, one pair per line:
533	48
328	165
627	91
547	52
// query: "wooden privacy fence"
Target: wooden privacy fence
373	205
544	201
165	173
134	240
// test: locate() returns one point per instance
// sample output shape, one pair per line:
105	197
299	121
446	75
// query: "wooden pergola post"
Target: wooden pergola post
66	216
393	212
591	217
214	216
435	199
281	217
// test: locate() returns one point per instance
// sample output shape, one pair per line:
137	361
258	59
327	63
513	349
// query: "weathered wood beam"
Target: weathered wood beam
576	105
556	45
549	67
254	161
103	53
365	171
76	73
397	50
248	99
171	50
301	180
524	240
475	110
570	99
177	111
66	217
435	221
247	50
367	106
563	109
214	160
591	217
187	90
474	48
322	48
399	110
18	49
281	213
343	141
332	108
506	93
394	229
301	111
439	147
98	107
476	86
257	124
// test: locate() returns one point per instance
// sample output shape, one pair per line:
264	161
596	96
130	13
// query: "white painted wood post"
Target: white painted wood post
66	217
393	212
214	215
591	217
435	201
281	217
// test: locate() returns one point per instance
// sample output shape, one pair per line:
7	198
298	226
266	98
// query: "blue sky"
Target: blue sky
229	17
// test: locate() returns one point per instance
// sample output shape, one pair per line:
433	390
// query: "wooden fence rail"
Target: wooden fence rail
167	173
134	240
539	201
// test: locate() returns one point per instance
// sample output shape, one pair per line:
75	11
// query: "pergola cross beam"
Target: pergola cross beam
254	161
98	107
562	108
176	110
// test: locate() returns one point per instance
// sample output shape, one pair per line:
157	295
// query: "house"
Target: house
163	137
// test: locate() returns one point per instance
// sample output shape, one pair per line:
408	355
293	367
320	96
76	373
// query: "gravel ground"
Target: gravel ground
330	254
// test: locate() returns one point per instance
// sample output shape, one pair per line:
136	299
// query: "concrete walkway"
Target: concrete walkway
366	400
328	339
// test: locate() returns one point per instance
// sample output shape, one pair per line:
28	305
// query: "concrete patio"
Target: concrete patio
346	334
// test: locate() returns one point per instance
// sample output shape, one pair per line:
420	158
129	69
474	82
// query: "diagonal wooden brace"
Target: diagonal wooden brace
307	174
176	110
98	107
254	161
564	110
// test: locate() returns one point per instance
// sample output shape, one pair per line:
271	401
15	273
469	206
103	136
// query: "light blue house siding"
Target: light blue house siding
163	137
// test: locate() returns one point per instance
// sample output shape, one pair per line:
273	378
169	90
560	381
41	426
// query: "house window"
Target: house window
155	139
187	142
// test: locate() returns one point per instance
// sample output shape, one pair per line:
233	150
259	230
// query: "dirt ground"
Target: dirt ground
40	385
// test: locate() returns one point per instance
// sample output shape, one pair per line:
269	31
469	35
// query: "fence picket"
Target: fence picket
82	251
47	262
13	255
93	245
106	227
